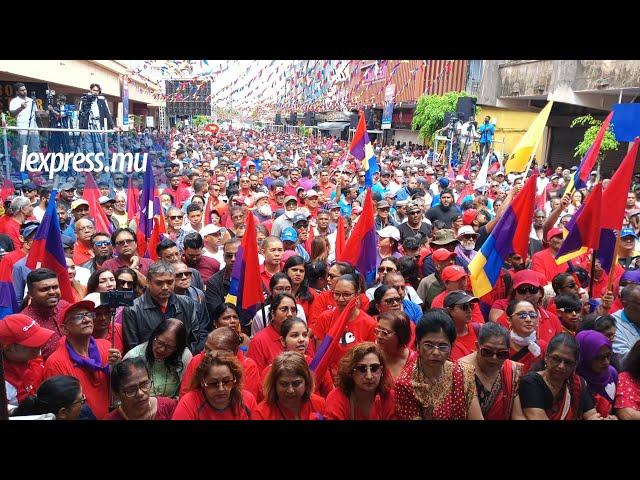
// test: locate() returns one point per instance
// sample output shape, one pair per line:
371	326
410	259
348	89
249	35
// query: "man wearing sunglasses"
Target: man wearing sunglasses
84	357
126	245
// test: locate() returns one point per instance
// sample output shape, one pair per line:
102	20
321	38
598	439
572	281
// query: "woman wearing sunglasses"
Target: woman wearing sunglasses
387	265
527	286
364	387
459	304
556	392
431	387
131	385
497	377
288	391
216	391
393	335
359	328
167	354
385	299
524	345
569	311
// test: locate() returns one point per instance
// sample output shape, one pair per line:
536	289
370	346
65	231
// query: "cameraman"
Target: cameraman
452	131
24	110
487	130
59	141
93	112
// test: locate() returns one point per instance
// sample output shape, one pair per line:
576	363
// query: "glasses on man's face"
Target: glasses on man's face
556	361
215	384
102	243
331	276
525	315
186	274
393	301
415	212
490	353
88	228
81	316
527	290
131	392
127	241
363	369
442	348
175	217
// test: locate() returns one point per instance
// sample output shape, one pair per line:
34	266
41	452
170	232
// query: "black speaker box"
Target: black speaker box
466	108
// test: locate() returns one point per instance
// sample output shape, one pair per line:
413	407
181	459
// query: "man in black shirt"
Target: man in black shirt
219	283
414	225
445	210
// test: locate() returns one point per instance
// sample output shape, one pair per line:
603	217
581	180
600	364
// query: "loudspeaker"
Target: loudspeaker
278	119
447	118
310	119
353	118
293	118
368	118
466	108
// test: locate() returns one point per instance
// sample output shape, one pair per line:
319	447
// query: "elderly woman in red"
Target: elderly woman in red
364	389
524	345
217	392
360	326
556	392
497	377
431	387
393	336
288	391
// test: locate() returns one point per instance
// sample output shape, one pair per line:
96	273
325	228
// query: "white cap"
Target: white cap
259	196
390	232
209	230
466	230
93	297
460	178
311	193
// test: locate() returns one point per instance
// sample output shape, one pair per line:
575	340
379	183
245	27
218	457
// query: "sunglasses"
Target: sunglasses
524	315
490	353
393	301
183	274
102	243
385	269
363	369
570	310
527	290
464	306
175	217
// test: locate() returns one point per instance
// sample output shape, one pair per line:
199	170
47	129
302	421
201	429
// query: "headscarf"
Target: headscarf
590	343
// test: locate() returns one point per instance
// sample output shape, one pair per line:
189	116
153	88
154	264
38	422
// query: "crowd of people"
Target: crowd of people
417	345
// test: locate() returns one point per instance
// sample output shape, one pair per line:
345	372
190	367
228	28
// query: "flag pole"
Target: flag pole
593	272
613	264
533	154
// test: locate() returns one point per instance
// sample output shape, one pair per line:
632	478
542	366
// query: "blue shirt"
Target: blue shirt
380	189
413	310
627	334
486	131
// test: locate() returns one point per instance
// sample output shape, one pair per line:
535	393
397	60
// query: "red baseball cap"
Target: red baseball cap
88	304
469	216
528	277
453	273
554	232
23	330
442	254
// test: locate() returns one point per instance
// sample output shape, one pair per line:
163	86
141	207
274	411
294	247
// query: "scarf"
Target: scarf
93	362
529	342
465	254
591	342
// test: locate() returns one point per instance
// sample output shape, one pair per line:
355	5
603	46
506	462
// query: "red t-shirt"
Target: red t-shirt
312	409
266	276
81	253
360	329
322	387
324	301
11	258
95	385
207	266
52	322
166	407
25	377
464	345
338	407
265	346
251	375
10	227
193	406
545	263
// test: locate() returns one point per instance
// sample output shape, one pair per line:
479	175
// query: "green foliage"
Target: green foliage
200	121
11	121
430	110
305	132
608	142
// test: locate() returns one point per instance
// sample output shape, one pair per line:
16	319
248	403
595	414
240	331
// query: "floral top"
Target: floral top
450	399
628	392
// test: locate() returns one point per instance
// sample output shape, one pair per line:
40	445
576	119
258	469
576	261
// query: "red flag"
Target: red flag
467	190
207	212
7	189
340	240
466	169
614	197
155	238
540	201
450	173
251	283
133	198
592	155
328	348
494	167
360	249
91	194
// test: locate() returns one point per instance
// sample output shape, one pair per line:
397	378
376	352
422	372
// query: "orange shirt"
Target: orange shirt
193	406
338	407
312	409
95	385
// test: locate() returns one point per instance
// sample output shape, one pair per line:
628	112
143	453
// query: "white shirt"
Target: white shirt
38	212
82	275
258	323
22	118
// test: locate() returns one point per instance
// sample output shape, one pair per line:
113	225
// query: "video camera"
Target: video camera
116	298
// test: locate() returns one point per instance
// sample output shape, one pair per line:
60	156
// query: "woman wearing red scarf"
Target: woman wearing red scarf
497	377
556	392
288	390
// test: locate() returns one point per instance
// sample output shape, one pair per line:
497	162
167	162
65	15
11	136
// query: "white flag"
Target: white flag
481	179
